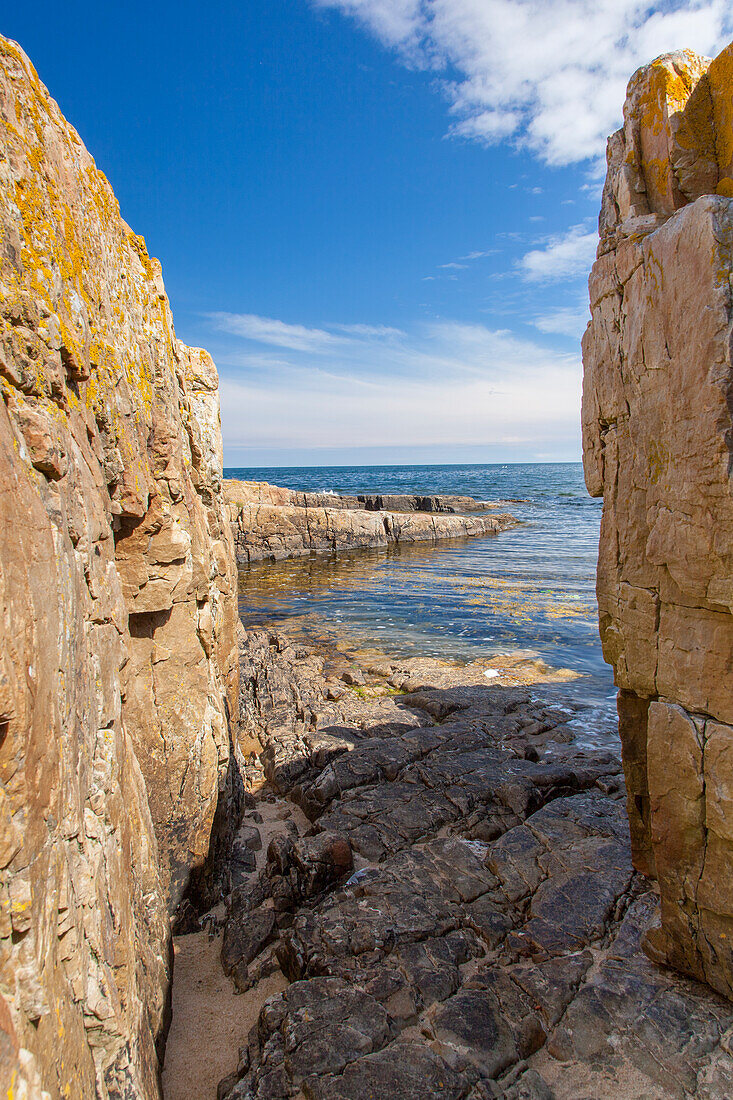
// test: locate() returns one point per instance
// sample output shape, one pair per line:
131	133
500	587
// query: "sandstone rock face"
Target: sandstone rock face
658	438
269	522
118	668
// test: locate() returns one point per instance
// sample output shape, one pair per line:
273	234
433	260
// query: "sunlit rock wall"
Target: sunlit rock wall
118	664
658	439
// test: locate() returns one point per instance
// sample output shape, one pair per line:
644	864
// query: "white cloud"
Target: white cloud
549	73
448	382
266	330
563	257
564	321
381	331
454	266
406	412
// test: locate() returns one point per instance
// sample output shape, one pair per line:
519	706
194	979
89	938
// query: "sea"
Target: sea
529	589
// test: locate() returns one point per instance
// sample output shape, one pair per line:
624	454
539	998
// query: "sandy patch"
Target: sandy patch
210	1022
579	1081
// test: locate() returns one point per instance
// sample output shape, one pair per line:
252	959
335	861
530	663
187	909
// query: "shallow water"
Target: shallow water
530	588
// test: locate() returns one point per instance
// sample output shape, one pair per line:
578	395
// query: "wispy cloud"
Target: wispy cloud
551	74
563	257
449	382
406	413
266	330
563	321
380	331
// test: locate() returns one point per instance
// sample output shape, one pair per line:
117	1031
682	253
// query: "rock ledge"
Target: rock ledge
272	523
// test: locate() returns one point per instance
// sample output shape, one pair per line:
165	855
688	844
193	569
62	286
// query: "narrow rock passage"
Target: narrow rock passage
210	1022
442	902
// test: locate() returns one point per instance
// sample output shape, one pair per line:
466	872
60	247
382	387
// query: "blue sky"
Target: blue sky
377	215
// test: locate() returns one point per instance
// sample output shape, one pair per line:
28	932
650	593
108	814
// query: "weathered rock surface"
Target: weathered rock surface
658	431
262	492
118	667
488	943
269	522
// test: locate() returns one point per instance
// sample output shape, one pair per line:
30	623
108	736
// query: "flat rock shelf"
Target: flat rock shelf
272	523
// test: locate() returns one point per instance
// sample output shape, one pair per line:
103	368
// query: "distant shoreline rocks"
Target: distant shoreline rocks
273	523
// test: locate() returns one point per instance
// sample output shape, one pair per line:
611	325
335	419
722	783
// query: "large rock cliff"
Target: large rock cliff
118	662
658	445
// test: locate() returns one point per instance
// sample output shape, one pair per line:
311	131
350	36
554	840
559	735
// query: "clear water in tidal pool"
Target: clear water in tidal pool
530	588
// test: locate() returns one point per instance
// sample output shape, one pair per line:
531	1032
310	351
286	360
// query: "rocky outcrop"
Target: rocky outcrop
272	523
487	941
262	492
658	444
118	667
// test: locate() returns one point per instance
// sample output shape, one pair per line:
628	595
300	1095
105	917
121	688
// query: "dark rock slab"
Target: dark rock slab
409	1071
246	933
669	1029
470	1029
492	947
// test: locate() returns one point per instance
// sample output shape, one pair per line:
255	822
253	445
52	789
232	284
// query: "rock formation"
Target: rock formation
487	942
658	445
118	660
269	522
262	492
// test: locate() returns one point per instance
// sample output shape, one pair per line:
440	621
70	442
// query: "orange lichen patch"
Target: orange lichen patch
692	124
672	116
137	243
91	275
666	89
720	77
657	176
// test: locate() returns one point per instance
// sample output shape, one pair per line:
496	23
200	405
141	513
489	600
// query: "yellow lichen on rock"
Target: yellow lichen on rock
720	78
118	666
663	90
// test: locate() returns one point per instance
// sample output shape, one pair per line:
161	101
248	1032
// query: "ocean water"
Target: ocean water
531	588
